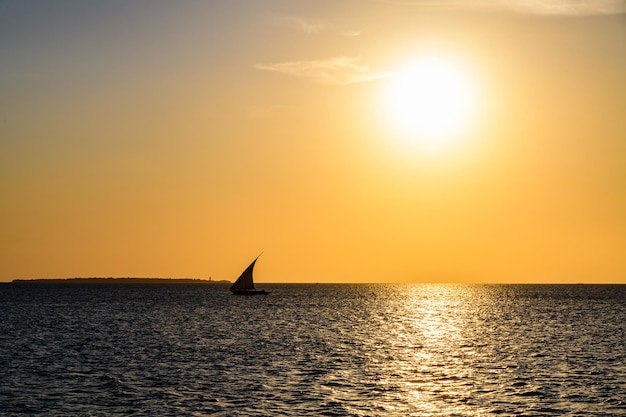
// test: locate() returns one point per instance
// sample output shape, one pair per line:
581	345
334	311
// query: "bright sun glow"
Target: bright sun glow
430	103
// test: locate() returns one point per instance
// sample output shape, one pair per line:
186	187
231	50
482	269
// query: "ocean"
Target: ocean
312	350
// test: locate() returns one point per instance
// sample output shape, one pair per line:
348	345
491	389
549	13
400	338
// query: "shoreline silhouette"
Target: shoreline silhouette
111	280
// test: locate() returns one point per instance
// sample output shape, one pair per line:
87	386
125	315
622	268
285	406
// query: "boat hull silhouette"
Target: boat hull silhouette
250	292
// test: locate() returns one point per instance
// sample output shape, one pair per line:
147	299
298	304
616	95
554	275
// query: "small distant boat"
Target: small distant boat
245	284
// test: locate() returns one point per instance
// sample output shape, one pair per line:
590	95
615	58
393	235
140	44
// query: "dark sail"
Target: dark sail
245	282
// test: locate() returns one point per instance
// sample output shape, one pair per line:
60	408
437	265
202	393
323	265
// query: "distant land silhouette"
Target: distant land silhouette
118	281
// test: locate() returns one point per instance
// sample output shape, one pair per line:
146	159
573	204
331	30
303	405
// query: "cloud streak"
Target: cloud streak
536	7
338	71
302	25
308	26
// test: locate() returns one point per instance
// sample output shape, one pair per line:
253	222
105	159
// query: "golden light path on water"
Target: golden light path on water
429	341
471	350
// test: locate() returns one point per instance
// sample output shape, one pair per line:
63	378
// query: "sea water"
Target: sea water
312	350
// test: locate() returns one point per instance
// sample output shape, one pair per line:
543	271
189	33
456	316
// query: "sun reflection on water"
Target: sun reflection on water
431	351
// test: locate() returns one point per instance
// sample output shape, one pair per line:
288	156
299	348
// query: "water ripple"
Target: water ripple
311	350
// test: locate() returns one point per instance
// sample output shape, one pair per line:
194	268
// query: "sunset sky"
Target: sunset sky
349	140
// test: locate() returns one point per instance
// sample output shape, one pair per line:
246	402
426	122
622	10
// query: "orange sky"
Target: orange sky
181	139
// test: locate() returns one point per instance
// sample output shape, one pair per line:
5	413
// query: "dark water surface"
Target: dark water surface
312	350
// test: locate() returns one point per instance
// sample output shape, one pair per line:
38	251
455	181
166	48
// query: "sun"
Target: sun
430	102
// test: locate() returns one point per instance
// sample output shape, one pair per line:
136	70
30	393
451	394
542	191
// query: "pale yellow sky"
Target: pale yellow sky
180	139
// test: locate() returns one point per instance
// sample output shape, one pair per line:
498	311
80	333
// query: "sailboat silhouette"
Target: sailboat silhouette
245	283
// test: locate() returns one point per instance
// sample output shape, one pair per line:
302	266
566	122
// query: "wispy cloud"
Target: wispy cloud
351	33
538	7
301	24
310	26
338	70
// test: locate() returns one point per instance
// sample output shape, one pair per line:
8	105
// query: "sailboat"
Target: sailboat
244	284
